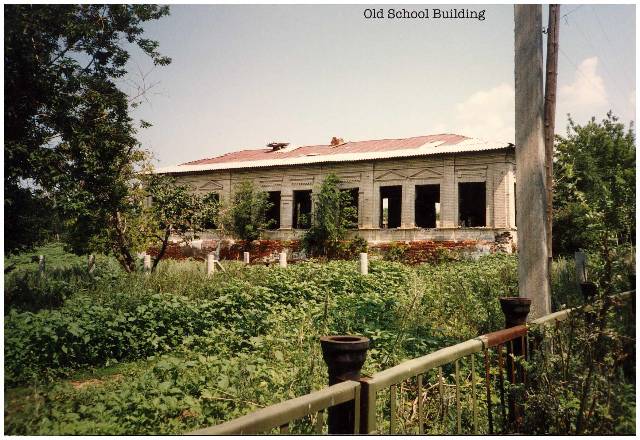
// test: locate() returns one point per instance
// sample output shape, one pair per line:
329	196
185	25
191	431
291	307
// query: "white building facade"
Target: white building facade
437	187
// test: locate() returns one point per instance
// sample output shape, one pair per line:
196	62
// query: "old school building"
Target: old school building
435	187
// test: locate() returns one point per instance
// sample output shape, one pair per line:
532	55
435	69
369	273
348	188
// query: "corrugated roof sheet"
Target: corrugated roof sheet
348	151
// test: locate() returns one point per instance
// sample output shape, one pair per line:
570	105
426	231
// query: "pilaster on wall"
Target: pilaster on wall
367	209
501	196
286	208
408	205
449	195
511	195
490	194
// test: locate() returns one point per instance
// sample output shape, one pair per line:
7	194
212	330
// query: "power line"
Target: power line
571	12
597	52
576	67
608	40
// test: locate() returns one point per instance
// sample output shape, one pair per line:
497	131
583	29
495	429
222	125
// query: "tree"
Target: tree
246	216
69	141
176	211
333	214
594	192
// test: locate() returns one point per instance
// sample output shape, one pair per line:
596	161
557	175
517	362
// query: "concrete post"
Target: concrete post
364	263
41	264
344	356
581	267
283	259
91	263
147	263
531	197
211	264
246	257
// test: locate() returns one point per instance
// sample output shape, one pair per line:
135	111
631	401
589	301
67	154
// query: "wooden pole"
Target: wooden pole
551	85
533	273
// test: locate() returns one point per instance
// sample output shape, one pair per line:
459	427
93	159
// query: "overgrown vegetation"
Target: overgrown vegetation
594	186
333	215
582	375
168	352
250	336
245	215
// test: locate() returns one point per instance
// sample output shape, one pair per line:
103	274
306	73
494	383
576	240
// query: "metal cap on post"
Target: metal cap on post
589	290
344	356
515	310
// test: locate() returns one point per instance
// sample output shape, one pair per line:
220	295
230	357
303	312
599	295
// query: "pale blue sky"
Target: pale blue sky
243	76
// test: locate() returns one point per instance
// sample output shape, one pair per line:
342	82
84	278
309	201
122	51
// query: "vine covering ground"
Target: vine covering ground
116	353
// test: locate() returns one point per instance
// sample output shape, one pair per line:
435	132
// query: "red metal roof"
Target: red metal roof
372	146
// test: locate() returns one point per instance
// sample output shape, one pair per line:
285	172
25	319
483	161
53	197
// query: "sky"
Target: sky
246	75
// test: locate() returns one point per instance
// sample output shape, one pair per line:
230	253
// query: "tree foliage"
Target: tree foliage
333	214
177	211
595	182
69	140
246	214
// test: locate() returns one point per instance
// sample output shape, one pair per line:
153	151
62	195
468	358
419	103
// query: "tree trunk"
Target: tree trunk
165	243
123	254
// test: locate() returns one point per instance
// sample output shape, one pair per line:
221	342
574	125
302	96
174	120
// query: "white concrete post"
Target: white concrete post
531	197
364	263
246	258
91	263
581	267
147	263
283	259
41	264
211	264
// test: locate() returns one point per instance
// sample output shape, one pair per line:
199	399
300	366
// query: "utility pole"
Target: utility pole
533	268
551	85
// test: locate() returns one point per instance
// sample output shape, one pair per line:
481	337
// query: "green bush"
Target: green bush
196	350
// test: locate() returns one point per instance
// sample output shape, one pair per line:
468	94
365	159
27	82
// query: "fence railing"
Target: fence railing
282	414
501	351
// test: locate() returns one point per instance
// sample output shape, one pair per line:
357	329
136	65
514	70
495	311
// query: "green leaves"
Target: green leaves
70	145
246	214
594	185
334	212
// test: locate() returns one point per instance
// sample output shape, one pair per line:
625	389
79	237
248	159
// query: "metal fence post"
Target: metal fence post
344	356
283	259
364	263
41	264
246	257
515	311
